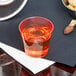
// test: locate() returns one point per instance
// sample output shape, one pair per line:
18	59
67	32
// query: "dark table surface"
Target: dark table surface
62	47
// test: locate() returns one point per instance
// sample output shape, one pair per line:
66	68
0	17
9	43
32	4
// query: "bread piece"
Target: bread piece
72	2
71	7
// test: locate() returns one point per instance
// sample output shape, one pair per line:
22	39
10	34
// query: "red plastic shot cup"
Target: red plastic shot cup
36	33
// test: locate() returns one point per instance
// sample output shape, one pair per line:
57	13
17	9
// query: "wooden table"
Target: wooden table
54	70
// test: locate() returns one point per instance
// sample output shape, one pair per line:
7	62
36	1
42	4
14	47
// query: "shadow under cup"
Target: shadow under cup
8	67
36	33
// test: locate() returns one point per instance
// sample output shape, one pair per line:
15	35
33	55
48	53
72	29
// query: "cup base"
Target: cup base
36	54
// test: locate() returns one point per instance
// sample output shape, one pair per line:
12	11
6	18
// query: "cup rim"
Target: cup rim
52	25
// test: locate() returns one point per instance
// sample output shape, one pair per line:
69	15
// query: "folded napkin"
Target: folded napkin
35	65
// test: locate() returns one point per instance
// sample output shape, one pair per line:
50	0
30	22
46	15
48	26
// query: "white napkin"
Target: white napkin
35	65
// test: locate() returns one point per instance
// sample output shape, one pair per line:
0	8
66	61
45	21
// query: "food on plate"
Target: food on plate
68	29
71	4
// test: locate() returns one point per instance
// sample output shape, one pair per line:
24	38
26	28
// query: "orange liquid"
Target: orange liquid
36	40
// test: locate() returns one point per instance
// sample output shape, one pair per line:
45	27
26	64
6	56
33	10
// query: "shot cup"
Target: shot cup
36	33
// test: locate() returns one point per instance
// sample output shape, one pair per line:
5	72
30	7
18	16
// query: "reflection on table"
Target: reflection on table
54	70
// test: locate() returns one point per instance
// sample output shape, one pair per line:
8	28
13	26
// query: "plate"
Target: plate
5	2
9	11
